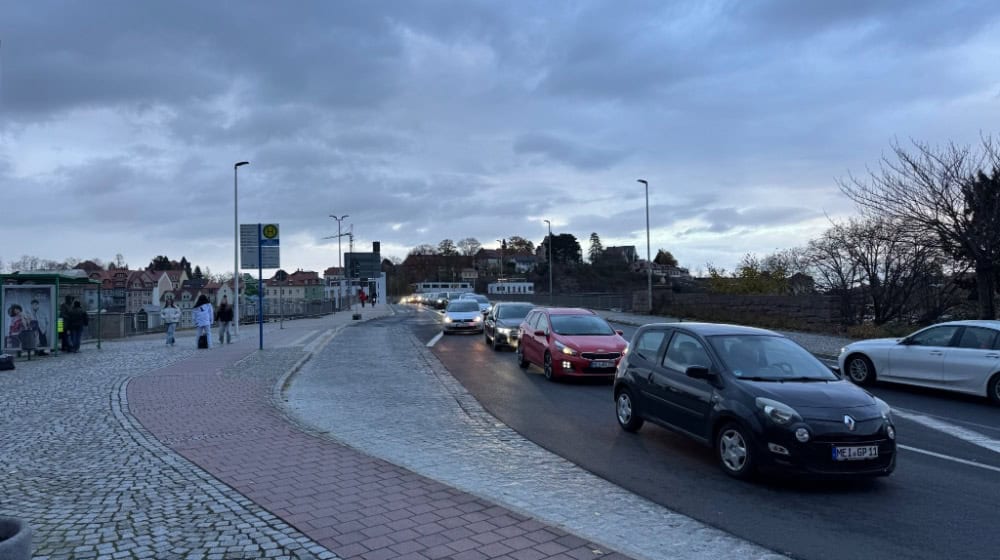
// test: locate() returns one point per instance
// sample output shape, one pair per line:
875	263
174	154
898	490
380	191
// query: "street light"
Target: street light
649	261
236	246
550	261
340	265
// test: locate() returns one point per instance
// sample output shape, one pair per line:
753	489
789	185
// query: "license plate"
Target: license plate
859	453
602	364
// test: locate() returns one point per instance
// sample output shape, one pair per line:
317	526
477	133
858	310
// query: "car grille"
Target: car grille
601	355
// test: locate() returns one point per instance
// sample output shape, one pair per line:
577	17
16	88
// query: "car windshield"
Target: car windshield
576	325
463	306
514	311
476	297
769	358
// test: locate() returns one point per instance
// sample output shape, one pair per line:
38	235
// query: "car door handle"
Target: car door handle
937	353
649	377
993	355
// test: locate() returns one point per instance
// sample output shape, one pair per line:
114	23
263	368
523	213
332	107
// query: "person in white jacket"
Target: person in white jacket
203	316
171	315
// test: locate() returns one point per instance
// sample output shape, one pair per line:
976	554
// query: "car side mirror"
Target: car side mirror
835	369
620	333
699	372
539	332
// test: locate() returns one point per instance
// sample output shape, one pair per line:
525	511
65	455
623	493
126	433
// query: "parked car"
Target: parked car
961	356
462	315
758	398
483	301
569	342
500	326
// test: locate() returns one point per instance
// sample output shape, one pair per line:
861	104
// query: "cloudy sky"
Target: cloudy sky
120	121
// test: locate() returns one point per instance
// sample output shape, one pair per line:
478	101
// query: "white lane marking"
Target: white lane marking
959	432
947	419
949	458
434	340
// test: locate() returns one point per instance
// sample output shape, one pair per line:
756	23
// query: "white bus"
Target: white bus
431	287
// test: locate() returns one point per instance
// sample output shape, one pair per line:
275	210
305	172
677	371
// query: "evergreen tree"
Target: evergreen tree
596	249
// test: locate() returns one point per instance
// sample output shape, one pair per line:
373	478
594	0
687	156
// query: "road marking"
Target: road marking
959	432
949	458
320	341
434	340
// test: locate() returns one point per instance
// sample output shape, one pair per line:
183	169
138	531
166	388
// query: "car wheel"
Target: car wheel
486	338
994	392
734	450
493	343
521	362
628	415
860	369
547	367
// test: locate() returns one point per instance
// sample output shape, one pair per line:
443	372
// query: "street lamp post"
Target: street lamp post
236	246
503	243
649	260
551	296
340	265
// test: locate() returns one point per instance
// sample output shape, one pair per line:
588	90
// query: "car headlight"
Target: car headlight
778	412
447	319
843	349
884	409
477	319
565	349
503	330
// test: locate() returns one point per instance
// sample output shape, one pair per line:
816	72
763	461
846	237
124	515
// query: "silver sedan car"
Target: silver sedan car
960	356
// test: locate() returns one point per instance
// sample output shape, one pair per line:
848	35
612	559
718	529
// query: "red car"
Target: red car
569	342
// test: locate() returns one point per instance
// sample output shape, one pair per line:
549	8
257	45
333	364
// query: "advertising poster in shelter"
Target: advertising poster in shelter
29	318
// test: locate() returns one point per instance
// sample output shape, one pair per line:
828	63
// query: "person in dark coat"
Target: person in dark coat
225	317
75	322
64	310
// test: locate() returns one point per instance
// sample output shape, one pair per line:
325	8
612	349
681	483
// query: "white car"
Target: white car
960	356
483	301
462	315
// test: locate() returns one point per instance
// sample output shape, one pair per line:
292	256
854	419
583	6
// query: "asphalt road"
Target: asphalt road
940	503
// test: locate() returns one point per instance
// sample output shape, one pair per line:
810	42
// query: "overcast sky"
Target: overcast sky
120	122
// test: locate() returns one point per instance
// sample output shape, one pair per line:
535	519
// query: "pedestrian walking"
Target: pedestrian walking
362	297
203	316
75	322
374	298
171	315
225	316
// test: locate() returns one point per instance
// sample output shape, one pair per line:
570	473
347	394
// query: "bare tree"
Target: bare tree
469	246
424	249
447	248
946	198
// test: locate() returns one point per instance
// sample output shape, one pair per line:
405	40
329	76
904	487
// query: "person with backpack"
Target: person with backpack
203	316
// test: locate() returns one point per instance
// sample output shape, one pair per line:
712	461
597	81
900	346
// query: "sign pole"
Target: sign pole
260	286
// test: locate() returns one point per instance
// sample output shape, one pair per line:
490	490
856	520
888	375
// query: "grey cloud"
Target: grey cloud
565	151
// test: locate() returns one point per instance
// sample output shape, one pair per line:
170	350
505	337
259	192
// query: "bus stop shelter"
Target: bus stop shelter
30	302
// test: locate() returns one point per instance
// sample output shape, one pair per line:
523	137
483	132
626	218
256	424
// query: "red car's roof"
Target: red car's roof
568	311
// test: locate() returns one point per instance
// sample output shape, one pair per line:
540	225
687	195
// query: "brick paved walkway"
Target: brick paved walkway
217	410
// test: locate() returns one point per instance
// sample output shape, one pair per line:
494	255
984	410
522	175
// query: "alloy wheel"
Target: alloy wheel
733	450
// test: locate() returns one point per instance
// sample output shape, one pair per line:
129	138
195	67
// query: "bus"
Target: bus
430	287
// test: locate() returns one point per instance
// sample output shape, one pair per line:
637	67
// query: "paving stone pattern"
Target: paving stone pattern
351	503
93	484
438	429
